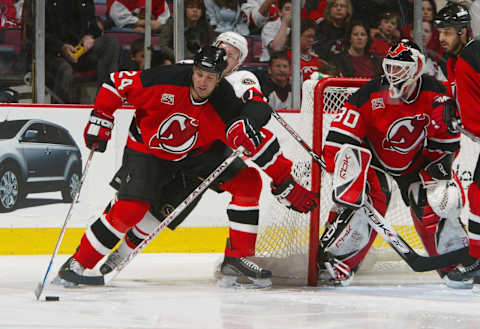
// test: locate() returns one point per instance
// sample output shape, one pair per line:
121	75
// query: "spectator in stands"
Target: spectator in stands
225	15
314	9
275	33
131	14
72	23
256	13
429	11
309	61
136	58
8	14
431	66
387	33
277	88
357	60
331	31
198	32
162	58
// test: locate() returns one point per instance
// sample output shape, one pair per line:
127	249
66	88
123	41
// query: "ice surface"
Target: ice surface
178	291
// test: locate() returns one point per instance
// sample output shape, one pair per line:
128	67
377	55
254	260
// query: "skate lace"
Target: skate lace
251	265
473	267
114	259
76	267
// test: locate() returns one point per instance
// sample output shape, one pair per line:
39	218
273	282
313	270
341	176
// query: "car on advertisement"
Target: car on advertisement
36	156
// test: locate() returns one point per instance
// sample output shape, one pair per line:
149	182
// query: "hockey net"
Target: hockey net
284	242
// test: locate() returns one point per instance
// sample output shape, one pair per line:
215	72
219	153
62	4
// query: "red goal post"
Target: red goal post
329	94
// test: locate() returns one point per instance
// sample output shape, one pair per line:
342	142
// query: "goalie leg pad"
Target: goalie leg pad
350	175
438	235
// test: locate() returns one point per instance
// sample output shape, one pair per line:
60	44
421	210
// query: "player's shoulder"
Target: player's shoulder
471	54
244	78
368	90
429	83
176	74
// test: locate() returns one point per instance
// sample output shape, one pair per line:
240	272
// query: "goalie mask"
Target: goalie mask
403	65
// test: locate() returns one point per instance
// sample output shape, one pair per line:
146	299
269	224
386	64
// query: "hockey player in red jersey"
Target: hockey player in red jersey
463	68
391	116
268	156
172	143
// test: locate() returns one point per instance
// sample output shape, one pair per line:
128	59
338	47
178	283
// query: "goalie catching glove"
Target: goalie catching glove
98	131
294	195
242	133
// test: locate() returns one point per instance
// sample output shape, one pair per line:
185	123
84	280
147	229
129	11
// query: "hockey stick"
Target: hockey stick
417	262
464	131
41	285
178	210
296	136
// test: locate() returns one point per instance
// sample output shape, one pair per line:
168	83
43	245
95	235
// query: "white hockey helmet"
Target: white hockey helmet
403	65
236	40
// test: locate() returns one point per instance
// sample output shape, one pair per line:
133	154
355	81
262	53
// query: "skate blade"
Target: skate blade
232	281
466	284
58	281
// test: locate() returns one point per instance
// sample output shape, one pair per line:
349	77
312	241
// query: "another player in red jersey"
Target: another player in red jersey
463	68
186	120
391	116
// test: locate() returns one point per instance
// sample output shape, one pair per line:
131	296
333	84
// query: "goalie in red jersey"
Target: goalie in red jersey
187	119
391	117
463	68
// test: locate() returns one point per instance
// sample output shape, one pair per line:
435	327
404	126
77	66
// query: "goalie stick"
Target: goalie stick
41	285
106	279
416	262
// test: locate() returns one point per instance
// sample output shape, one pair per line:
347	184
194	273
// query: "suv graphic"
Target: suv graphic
36	156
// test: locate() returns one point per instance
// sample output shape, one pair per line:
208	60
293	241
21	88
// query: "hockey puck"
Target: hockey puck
52	298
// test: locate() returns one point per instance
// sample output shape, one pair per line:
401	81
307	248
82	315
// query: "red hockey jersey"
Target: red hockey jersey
169	123
464	78
400	135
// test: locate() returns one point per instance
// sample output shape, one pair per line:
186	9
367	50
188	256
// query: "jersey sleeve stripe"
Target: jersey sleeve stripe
437	145
342	137
112	89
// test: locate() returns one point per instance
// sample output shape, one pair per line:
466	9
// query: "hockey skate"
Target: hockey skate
243	273
71	274
113	260
462	276
333	272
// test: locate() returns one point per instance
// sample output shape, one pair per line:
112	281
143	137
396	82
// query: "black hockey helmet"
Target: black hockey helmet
452	15
211	59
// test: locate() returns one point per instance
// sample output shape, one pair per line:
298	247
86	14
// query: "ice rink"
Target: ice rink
178	291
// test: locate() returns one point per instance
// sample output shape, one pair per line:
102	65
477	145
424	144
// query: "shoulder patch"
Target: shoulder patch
248	81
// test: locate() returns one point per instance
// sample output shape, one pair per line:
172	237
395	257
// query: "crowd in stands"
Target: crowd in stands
91	38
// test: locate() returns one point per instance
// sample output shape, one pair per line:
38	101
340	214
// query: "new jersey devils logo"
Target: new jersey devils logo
177	134
406	133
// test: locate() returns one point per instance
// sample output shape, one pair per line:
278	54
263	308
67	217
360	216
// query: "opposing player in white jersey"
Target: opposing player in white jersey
391	117
268	157
463	68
